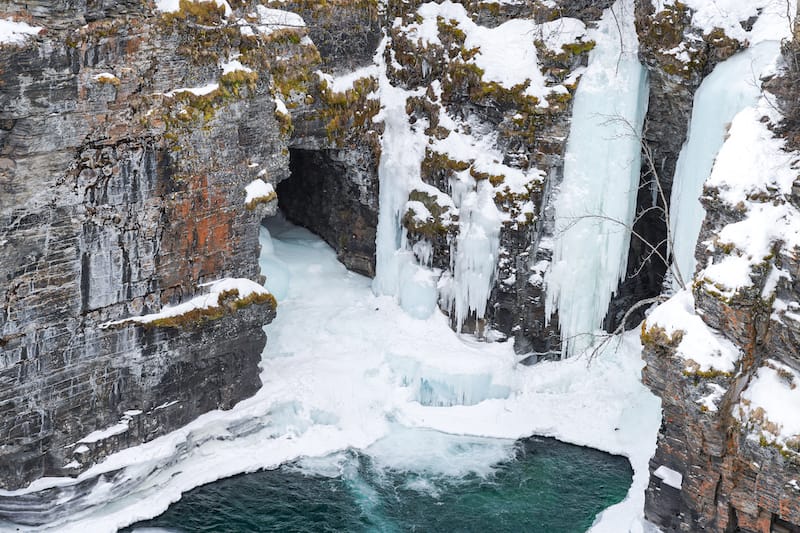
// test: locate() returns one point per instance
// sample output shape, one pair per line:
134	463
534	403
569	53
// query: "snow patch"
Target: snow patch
13	32
669	476
257	190
704	349
771	404
210	300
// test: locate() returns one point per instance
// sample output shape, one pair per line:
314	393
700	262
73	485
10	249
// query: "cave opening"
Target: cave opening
334	194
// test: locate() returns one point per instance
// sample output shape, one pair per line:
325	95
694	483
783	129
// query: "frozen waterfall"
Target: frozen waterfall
731	87
402	150
595	203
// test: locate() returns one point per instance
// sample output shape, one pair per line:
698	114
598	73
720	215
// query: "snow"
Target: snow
507	53
197	91
775	390
730	88
245	288
595	203
102	434
13	32
703	348
773	22
669	476
258	189
371	377
280	106
342	83
270	20
711	400
105	76
753	165
232	66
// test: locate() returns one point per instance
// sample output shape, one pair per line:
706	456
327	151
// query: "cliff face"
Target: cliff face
123	194
724	359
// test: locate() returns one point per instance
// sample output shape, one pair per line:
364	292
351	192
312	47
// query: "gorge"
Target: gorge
505	187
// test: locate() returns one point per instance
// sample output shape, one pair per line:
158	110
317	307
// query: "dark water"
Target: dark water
544	486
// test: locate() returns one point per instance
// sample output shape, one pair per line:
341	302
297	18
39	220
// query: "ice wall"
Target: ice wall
596	200
731	87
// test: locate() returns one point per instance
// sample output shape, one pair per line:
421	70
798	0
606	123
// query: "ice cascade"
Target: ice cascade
418	288
731	87
595	203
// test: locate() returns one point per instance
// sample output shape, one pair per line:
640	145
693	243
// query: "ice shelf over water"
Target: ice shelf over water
733	86
596	200
344	368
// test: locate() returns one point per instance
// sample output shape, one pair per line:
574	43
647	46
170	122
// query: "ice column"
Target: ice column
596	200
402	150
731	87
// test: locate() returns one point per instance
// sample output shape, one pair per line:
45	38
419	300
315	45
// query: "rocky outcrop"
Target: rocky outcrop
123	193
724	438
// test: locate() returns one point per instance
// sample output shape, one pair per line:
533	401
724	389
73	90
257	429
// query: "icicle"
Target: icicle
474	260
597	198
402	150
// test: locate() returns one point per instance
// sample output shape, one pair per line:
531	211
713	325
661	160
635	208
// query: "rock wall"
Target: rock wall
737	459
122	194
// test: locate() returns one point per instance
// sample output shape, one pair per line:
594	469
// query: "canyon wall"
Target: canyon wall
122	193
724	358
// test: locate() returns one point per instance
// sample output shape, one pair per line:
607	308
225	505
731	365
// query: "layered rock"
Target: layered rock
127	152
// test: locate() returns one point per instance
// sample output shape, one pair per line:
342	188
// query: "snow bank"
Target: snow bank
754	174
259	190
232	66
171	6
774	17
703	349
507	53
271	20
669	476
197	91
13	32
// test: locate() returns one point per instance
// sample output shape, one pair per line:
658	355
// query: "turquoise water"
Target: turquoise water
542	486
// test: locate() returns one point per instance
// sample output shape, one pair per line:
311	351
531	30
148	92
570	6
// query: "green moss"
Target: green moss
228	303
494	179
205	13
578	47
657	336
439	224
349	115
438	163
706	374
